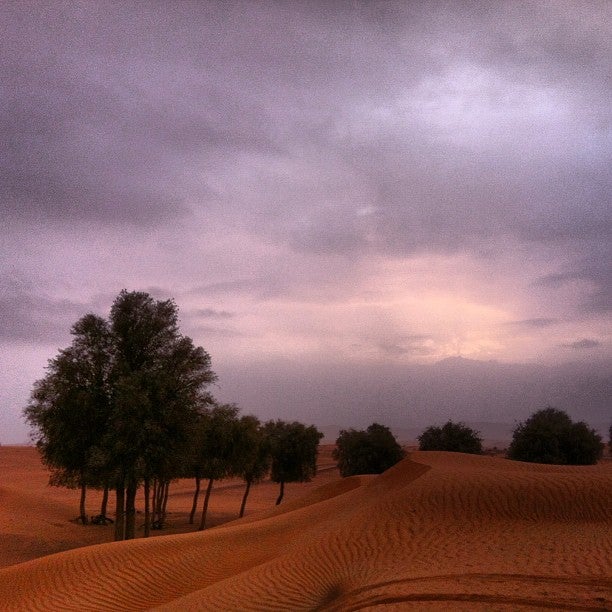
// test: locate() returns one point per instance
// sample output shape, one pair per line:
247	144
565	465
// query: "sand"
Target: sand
438	531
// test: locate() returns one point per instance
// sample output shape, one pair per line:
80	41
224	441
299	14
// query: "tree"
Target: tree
70	407
293	450
160	381
454	437
254	461
367	452
217	454
550	436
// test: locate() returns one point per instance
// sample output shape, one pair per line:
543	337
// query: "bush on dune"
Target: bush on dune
550	436
453	437
367	452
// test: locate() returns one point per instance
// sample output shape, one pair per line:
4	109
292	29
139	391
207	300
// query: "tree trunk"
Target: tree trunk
104	504
147	492
82	512
154	501
282	492
244	498
205	508
130	510
160	503
196	495
162	518
120	510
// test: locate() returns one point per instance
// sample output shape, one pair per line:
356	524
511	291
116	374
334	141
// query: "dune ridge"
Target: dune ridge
480	532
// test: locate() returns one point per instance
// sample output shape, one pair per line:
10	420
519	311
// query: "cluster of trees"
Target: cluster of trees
127	405
547	436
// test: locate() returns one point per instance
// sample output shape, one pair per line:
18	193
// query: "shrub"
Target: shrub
367	452
455	437
550	436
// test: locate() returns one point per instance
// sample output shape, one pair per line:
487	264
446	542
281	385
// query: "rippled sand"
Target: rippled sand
438	531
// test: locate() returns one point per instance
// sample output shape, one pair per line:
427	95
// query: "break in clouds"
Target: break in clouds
334	182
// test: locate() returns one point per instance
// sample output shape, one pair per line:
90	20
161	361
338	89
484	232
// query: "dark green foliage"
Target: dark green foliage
254	463
214	451
117	407
159	379
454	437
367	452
550	436
293	449
255	457
217	452
70	407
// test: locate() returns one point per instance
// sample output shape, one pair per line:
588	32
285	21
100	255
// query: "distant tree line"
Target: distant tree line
547	436
127	405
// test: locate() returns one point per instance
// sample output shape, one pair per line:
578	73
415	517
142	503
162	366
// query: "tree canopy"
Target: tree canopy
550	436
121	400
293	452
70	407
454	437
367	452
255	456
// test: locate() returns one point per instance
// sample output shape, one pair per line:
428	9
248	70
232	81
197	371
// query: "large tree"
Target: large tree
160	381
367	452
293	449
455	437
70	407
550	436
117	406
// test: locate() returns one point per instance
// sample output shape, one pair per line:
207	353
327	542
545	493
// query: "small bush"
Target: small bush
550	436
454	437
367	452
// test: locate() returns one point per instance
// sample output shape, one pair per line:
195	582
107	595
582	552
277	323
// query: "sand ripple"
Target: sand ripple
437	531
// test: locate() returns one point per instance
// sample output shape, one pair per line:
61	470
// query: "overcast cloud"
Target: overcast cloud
380	184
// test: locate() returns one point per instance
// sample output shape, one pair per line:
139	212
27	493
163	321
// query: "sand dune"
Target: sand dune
438	531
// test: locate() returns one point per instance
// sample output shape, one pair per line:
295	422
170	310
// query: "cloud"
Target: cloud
28	315
341	177
211	313
585	343
414	345
594	273
538	322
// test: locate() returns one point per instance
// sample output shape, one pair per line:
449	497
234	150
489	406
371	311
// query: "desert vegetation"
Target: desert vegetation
370	451
127	405
454	437
550	436
293	452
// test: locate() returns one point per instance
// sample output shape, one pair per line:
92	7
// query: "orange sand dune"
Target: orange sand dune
438	531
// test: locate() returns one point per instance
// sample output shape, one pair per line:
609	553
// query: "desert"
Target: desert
437	531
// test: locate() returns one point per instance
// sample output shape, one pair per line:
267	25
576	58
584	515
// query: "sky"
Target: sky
338	195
